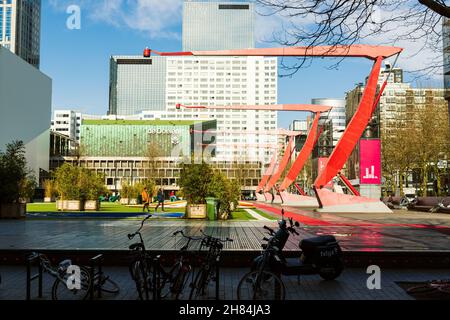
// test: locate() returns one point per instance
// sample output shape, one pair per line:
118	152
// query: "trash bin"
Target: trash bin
211	208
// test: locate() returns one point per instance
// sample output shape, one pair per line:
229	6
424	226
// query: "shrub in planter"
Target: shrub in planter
227	192
77	185
92	187
125	193
49	191
15	180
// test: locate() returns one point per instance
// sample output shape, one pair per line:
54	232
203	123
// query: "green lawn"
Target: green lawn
105	207
241	214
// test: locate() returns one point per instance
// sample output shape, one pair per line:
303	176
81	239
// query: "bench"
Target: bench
431	204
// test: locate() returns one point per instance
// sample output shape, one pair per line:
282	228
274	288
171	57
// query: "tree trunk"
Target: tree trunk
424	180
400	181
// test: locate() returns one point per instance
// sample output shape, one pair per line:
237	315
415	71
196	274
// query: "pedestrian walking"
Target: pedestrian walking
145	200
160	197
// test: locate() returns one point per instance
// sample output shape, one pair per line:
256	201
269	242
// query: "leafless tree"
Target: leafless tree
346	22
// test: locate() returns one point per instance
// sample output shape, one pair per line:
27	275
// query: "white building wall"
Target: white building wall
25	108
222	81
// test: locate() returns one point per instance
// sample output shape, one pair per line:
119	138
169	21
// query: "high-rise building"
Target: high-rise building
137	84
204	81
218	25
153	86
20	28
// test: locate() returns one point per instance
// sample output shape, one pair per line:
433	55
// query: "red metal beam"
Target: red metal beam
280	132
284	162
354	130
275	107
268	172
348	184
356	51
303	155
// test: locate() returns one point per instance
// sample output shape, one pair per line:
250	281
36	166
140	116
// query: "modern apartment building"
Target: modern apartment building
20	27
218	25
68	123
154	86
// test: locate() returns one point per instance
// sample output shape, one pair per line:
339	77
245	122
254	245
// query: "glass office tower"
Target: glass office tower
215	25
20	28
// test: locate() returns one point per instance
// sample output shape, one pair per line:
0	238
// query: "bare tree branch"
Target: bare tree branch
437	7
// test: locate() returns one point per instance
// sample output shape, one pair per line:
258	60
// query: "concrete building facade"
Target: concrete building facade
68	123
25	109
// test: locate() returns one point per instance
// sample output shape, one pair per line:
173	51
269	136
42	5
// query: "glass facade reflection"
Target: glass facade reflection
213	25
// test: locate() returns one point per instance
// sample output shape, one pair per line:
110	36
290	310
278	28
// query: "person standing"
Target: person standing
160	197
145	200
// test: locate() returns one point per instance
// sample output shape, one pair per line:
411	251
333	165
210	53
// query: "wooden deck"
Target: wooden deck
112	234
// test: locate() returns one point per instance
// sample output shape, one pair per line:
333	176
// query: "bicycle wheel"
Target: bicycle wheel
109	286
140	274
167	281
262	285
199	287
61	291
443	286
422	289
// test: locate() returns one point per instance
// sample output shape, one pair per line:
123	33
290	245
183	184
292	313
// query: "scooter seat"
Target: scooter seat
316	242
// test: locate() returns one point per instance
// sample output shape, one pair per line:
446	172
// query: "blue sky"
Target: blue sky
78	60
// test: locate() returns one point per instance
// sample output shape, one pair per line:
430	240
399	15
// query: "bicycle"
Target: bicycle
141	268
60	288
261	282
431	287
207	271
174	282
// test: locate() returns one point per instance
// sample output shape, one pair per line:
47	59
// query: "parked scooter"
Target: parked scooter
320	255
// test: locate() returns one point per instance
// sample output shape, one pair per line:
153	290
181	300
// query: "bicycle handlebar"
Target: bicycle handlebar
269	229
216	239
187	237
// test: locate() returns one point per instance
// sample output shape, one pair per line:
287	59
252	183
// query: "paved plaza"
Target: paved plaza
350	286
400	231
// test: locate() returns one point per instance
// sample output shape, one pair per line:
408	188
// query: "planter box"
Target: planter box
49	200
13	211
196	211
69	205
125	201
92	205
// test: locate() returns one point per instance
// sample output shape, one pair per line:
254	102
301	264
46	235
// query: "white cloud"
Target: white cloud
154	17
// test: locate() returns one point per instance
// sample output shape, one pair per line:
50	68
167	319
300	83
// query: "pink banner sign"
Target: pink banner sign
370	161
